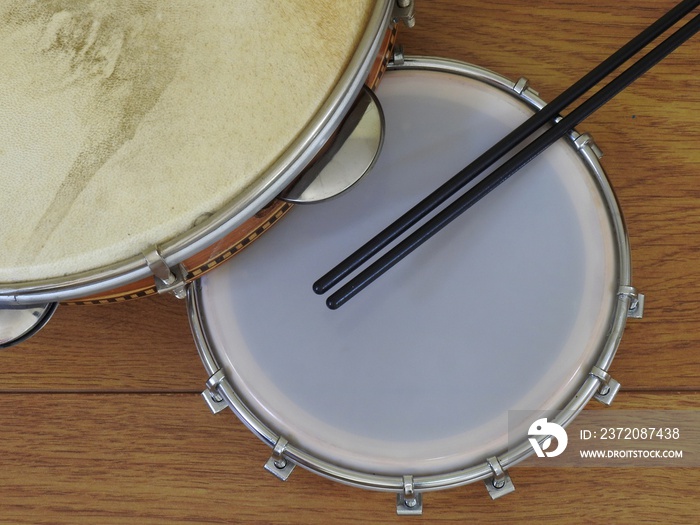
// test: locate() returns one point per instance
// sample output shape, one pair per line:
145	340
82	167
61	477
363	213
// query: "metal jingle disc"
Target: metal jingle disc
18	324
353	152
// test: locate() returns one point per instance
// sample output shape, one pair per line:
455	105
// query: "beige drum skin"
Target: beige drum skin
130	126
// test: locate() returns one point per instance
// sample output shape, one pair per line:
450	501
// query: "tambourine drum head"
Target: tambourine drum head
124	122
506	309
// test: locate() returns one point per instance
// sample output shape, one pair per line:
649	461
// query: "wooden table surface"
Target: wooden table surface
101	420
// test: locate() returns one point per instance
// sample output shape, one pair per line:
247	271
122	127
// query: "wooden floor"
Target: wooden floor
101	420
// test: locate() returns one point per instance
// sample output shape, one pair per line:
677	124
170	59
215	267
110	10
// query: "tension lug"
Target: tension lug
500	483
409	502
636	306
168	279
608	386
586	141
213	399
405	11
278	465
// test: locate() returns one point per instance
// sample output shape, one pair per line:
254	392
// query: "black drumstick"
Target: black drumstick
492	181
496	152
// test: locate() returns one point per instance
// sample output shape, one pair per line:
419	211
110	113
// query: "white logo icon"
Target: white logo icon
542	427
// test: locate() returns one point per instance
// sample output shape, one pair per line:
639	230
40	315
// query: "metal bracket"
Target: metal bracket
168	280
585	140
608	387
398	58
500	483
278	465
409	502
405	11
211	395
521	85
636	307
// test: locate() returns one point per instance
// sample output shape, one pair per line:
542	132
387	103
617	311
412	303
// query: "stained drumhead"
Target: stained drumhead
506	309
123	122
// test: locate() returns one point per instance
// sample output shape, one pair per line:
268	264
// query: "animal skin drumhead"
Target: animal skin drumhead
124	121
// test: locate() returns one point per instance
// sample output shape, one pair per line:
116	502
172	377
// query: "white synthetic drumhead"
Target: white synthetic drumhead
506	309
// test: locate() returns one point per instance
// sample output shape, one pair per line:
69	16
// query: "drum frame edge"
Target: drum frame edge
220	395
291	162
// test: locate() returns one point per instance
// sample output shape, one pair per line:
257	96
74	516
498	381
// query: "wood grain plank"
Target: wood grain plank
156	459
143	345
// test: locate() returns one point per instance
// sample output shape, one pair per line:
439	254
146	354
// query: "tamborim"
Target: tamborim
143	139
517	306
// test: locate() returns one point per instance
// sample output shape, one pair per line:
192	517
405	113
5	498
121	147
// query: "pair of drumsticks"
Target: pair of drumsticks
544	116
